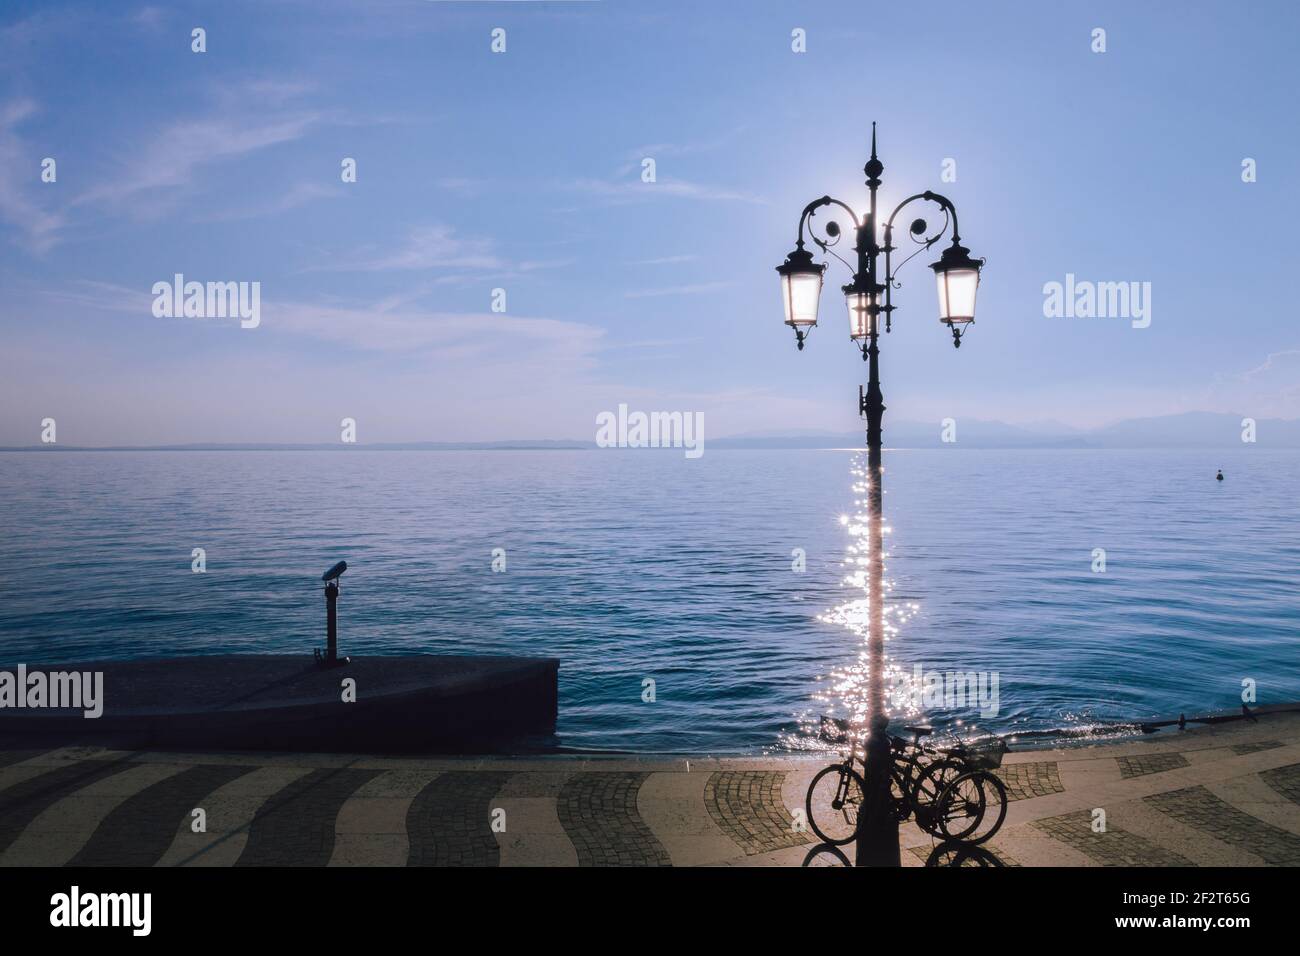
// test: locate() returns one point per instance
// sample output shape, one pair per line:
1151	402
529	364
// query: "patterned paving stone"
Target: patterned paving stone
1024	780
94	808
598	812
296	826
534	784
370	829
450	821
231	810
1142	765
1285	780
1198	807
139	831
1115	847
747	806
1242	749
23	802
8	757
55	835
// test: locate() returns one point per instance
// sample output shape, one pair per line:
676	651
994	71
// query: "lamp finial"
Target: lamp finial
874	166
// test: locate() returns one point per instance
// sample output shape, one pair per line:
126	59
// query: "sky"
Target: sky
522	170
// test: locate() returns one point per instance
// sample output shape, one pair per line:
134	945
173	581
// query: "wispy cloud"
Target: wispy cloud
633	190
640	345
1274	360
264	91
394	323
20	180
697	289
150	17
426	247
437	247
665	150
298	195
1270	389
176	152
405	372
626	186
485	338
465	186
664	260
28	38
151	181
102	296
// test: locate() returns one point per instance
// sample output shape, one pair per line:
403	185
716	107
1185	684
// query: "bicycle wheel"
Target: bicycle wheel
961	854
902	780
971	808
929	785
834	797
826	855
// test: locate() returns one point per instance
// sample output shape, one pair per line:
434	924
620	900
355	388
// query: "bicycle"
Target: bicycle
948	792
917	777
973	806
920	774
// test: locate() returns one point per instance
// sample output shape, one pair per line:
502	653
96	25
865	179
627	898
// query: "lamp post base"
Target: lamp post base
877	836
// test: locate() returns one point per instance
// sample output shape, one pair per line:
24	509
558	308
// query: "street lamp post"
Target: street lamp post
868	299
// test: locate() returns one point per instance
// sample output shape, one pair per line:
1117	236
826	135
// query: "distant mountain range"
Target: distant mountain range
1188	430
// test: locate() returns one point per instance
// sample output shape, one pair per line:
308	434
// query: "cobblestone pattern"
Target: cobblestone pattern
1024	780
746	805
23	802
598	812
8	757
1285	780
449	822
964	856
1115	847
296	826
1149	763
1198	807
139	831
1242	749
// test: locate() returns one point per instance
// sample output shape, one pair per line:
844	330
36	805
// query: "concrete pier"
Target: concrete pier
410	703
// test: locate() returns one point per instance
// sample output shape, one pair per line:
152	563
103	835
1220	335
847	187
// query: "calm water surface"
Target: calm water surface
631	565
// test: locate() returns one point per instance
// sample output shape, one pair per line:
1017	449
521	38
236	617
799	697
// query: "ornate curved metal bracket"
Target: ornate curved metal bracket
833	231
920	233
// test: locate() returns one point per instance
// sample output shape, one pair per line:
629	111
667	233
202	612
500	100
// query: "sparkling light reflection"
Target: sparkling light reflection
844	690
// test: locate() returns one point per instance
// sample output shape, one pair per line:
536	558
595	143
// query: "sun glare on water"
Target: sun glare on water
843	693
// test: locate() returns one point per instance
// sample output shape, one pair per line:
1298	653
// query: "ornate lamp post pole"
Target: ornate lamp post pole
868	299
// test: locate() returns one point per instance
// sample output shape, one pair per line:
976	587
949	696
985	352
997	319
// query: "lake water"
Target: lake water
635	565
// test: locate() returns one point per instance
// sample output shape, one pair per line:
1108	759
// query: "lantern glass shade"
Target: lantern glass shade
801	291
957	294
862	322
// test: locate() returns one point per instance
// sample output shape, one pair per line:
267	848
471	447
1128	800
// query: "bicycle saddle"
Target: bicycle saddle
920	731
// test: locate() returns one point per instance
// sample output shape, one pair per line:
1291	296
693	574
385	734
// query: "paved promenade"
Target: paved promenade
1226	795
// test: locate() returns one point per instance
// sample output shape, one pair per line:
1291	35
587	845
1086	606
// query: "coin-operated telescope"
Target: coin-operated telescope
331	656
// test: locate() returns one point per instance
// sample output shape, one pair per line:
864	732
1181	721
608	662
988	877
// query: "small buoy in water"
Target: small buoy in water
1219	476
